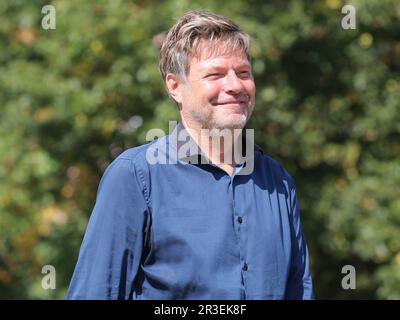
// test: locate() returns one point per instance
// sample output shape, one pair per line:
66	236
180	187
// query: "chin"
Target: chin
232	122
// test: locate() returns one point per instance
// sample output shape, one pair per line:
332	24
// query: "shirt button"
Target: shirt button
240	220
245	267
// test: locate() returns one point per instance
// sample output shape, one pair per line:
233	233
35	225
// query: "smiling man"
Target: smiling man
202	227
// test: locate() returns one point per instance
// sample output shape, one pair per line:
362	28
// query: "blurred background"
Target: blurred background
328	109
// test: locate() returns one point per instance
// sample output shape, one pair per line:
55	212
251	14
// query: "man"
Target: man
199	225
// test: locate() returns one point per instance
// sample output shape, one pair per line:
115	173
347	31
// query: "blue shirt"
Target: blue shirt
191	231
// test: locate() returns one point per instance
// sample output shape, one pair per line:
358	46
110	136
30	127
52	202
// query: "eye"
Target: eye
244	73
214	75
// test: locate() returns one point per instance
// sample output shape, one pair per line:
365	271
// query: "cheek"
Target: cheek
251	88
211	91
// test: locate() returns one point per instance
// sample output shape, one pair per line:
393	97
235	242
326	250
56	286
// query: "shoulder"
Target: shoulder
275	170
124	167
132	166
136	156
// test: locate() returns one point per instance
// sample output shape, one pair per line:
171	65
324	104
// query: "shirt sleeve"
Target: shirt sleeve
299	285
111	250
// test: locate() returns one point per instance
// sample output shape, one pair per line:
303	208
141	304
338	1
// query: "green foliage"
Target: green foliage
71	99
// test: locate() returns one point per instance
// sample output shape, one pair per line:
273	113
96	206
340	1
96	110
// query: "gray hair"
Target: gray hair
190	34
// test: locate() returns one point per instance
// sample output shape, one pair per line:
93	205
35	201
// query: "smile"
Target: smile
231	103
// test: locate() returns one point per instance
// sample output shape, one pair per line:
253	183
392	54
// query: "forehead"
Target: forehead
210	55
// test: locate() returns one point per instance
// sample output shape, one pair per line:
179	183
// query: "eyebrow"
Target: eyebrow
218	67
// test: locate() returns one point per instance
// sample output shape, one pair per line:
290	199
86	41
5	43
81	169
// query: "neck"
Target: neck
217	145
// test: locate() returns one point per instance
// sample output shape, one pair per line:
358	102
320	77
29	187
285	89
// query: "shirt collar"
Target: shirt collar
180	138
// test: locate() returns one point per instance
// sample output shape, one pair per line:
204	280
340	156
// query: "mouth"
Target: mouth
233	107
232	102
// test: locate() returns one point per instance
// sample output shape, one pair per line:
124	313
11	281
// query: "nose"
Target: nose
233	84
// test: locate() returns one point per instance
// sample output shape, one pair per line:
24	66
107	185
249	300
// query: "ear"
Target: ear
174	86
